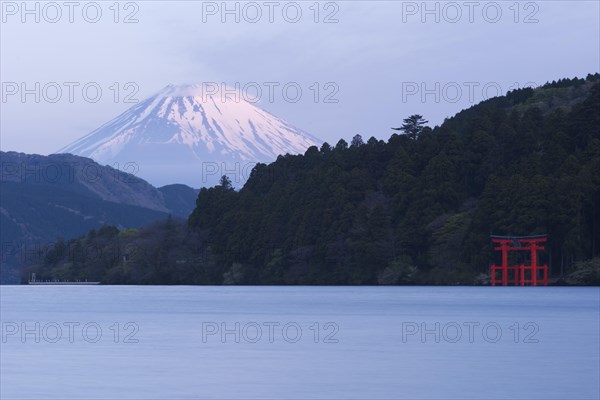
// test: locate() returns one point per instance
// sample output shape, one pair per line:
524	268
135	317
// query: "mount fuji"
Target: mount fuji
182	135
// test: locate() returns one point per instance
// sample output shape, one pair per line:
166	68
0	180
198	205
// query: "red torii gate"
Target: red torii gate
519	243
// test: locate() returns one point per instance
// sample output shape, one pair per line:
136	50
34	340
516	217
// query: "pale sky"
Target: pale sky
373	59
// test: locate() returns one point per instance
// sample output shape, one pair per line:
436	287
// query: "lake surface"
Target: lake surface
160	342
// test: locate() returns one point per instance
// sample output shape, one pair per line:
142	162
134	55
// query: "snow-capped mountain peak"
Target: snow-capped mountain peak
189	134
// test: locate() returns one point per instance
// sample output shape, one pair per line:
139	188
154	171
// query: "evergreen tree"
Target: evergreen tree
225	183
412	126
357	141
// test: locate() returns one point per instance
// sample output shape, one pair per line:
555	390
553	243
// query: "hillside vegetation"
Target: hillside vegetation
62	196
417	209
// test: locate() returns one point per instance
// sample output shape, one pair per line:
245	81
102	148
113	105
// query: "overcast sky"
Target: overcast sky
370	60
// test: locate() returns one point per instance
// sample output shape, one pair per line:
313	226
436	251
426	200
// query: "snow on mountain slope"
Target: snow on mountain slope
182	135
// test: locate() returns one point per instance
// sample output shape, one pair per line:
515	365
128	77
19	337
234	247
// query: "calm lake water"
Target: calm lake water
134	342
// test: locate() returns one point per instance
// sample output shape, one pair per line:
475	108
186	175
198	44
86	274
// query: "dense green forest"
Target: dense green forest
418	209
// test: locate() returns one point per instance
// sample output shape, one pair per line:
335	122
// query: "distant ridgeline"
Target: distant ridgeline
43	198
418	209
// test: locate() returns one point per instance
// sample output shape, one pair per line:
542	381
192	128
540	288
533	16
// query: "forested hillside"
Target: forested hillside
44	198
418	209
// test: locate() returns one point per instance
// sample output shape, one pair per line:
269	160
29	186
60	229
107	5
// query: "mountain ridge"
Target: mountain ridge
47	198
